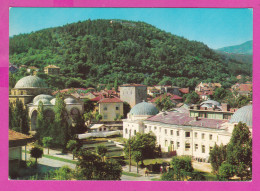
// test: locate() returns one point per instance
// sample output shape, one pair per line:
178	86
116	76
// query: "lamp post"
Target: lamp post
129	151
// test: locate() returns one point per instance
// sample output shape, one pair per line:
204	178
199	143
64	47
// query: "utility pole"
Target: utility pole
129	151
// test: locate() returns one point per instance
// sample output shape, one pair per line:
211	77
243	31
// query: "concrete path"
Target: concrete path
141	172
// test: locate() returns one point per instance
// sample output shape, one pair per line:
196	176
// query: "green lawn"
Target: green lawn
60	159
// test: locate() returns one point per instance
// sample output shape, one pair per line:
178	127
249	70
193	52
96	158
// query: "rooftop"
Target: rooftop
13	135
110	100
183	118
132	85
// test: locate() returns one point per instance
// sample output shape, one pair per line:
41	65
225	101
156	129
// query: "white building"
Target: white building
177	131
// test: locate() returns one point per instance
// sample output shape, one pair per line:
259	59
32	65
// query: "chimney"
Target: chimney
224	106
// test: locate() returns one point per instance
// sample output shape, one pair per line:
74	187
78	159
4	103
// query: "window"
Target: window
166	143
210	136
155	128
203	148
178	144
165	131
210	148
117	107
117	115
171	132
105	129
145	126
202	135
196	147
178	133
134	132
195	134
105	108
187	146
187	134
105	116
126	131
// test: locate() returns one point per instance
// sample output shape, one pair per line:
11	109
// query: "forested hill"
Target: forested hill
100	51
244	48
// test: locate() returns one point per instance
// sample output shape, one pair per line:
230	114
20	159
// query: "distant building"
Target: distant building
207	87
110	108
52	70
243	89
32	90
174	98
32	69
212	110
133	93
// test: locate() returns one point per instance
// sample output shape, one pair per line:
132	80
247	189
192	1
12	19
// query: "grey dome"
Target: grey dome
70	101
244	114
211	102
44	102
30	82
53	101
144	108
42	96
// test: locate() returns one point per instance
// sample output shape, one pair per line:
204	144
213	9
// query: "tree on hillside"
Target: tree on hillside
239	151
192	97
164	103
220	94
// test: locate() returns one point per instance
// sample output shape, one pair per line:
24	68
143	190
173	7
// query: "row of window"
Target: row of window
126	131
105	108
188	146
187	133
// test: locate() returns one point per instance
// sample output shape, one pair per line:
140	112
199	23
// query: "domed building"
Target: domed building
244	115
27	88
32	90
134	122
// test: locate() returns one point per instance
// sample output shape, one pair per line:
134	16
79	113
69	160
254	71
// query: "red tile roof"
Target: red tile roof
245	87
98	98
172	97
110	100
184	90
179	118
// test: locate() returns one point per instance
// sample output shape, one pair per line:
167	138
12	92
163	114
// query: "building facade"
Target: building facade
133	93
110	109
52	70
178	132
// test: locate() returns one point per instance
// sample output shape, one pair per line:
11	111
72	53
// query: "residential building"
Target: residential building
52	70
110	108
212	110
242	89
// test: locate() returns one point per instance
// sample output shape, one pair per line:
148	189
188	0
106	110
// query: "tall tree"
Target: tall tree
239	150
217	156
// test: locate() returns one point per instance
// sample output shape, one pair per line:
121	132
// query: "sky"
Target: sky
215	27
